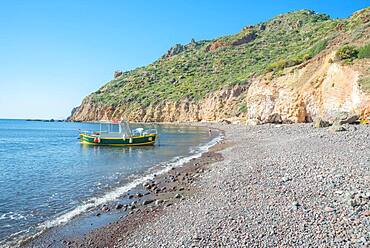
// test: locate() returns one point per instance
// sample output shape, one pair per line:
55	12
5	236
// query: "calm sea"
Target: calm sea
48	178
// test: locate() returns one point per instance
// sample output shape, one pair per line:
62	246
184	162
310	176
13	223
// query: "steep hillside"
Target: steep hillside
289	69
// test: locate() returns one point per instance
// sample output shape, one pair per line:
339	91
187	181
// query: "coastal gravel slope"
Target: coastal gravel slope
279	185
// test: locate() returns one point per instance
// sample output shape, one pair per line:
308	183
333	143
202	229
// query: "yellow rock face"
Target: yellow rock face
317	89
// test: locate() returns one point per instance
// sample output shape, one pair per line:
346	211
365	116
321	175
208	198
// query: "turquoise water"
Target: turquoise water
47	177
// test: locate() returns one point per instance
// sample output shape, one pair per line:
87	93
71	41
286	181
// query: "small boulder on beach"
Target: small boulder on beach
105	209
119	206
320	123
146	202
337	128
345	118
138	195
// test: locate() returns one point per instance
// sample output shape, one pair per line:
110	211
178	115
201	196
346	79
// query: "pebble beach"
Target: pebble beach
262	186
278	185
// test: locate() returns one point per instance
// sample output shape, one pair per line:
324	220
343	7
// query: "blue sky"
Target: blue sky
53	53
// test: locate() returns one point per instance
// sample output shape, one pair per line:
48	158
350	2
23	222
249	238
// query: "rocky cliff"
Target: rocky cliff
320	88
218	105
286	70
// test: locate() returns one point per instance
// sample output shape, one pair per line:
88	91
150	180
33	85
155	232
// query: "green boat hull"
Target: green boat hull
133	141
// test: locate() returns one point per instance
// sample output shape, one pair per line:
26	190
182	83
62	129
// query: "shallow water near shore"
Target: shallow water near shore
48	178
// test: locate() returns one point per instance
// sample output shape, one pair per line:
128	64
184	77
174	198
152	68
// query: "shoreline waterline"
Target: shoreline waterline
94	202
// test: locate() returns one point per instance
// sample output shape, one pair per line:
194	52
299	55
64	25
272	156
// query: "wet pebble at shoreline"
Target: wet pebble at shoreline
285	185
138	206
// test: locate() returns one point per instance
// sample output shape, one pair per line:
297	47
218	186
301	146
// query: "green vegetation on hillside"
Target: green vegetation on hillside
364	52
348	53
193	70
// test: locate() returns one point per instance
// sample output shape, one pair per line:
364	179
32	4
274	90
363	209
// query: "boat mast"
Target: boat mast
128	128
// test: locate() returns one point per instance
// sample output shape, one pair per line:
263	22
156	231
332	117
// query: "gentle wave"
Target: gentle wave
113	195
118	192
12	216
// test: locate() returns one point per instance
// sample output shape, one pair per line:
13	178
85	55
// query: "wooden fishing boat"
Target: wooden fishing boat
119	134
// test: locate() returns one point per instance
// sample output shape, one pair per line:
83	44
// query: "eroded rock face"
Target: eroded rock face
178	48
246	39
117	74
317	90
215	45
72	113
218	105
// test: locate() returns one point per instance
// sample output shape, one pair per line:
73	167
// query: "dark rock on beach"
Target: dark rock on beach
119	206
146	202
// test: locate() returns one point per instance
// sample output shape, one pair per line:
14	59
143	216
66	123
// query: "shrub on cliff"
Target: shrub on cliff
278	65
347	52
242	108
364	52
